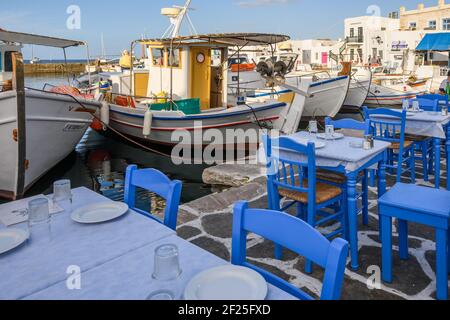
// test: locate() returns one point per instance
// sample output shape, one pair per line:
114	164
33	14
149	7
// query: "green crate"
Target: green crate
188	106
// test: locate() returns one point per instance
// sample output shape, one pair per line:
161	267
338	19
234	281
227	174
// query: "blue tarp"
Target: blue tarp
435	42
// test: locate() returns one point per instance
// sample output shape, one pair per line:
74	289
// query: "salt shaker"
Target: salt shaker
368	142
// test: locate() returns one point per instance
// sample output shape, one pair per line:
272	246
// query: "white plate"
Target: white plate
99	212
230	283
12	238
318	144
335	136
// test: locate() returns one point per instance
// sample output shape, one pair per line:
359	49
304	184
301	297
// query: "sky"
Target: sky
124	21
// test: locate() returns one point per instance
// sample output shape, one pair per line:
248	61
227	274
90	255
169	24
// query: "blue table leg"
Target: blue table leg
365	198
437	161
403	239
448	165
386	250
382	183
441	264
353	219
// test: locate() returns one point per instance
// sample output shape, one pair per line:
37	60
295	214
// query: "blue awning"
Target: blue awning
435	42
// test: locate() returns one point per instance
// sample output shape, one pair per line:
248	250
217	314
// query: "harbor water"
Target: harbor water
100	161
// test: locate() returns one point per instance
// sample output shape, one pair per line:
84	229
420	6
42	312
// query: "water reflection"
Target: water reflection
99	163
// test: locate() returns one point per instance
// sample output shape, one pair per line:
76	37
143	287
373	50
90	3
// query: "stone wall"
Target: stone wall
72	68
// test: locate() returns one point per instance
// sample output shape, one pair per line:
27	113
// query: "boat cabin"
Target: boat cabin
6	64
195	67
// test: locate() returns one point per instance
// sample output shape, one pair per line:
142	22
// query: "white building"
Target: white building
369	38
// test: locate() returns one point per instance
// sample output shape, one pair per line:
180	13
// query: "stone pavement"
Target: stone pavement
207	222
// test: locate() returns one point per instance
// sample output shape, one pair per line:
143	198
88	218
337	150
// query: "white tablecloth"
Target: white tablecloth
37	264
115	258
428	124
129	277
338	152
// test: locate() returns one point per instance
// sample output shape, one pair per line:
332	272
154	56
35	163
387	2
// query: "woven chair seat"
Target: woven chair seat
330	176
406	145
416	138
324	193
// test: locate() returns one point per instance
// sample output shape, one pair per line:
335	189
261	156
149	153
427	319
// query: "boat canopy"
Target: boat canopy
227	39
26	38
435	42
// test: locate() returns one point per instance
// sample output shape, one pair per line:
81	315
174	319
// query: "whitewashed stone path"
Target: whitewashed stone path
207	222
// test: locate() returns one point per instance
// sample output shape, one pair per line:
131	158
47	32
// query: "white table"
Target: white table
339	156
130	276
38	264
115	258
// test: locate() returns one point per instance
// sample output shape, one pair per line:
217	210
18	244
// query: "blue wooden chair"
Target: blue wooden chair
296	181
296	235
340	180
427	206
440	97
158	183
389	125
424	145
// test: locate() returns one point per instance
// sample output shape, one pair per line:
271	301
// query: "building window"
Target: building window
352	54
432	25
352	32
158	57
413	25
360	34
446	24
174	58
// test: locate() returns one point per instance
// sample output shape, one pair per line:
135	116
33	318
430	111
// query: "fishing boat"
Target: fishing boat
38	128
391	92
186	93
360	86
326	93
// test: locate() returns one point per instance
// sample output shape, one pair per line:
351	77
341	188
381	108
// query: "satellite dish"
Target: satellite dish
171	12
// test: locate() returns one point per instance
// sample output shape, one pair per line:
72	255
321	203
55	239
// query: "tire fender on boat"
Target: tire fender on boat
148	118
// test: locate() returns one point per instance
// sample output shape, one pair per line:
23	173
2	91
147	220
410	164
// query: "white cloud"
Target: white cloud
259	3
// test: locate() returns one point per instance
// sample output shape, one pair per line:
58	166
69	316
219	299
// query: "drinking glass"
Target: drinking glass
329	131
416	106
62	194
313	127
405	105
167	263
39	219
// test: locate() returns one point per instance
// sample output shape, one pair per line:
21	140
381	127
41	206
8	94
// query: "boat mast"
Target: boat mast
176	20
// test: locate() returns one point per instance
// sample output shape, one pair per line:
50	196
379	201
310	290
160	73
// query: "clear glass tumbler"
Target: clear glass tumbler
167	263
62	194
39	219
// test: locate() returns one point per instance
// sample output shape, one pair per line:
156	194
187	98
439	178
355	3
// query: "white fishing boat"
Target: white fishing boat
392	92
326	93
38	128
187	93
360	86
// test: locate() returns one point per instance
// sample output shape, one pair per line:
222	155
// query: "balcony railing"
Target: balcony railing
355	39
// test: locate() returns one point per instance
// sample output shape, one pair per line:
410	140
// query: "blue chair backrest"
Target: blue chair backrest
349	124
283	172
387	124
158	183
439	97
426	104
296	235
